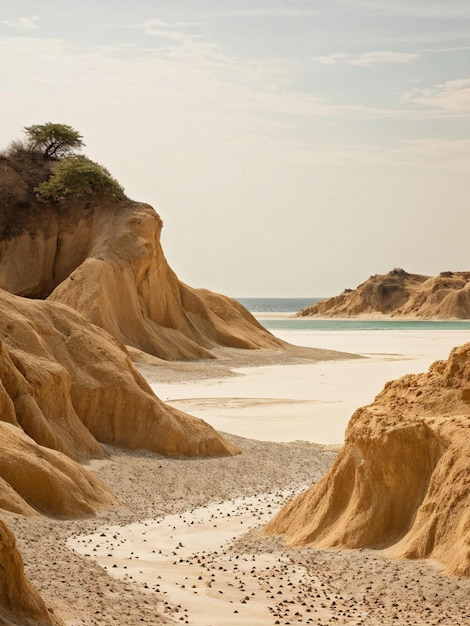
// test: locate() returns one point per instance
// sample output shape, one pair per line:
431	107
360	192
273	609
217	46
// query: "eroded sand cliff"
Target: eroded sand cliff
400	294
20	603
68	383
402	481
104	259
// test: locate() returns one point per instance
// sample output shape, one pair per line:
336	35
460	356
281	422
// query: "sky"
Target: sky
291	147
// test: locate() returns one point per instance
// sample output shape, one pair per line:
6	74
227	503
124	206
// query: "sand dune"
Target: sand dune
290	585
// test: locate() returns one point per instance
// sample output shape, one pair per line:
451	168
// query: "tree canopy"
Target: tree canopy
54	140
79	177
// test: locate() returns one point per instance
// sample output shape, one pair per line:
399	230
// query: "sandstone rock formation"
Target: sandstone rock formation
35	476
20	603
400	294
402	480
104	259
64	385
126	286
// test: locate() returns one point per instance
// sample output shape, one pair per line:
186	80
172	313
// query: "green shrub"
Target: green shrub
79	177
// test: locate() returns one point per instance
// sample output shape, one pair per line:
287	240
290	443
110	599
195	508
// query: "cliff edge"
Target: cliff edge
400	294
402	480
103	258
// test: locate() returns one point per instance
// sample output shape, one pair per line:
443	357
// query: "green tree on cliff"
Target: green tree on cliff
54	140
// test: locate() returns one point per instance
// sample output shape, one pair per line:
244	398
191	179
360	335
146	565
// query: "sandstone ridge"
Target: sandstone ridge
65	385
104	259
400	294
402	480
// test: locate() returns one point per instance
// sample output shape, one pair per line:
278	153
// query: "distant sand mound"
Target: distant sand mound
400	294
402	479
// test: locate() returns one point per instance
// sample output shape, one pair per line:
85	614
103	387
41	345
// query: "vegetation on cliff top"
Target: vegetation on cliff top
52	168
79	177
55	140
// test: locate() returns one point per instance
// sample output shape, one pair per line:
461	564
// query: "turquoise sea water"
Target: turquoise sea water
335	325
292	305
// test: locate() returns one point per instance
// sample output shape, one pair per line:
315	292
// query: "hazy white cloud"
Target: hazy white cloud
379	57
175	43
330	59
198	91
326	60
160	28
189	97
271	10
436	50
423	154
366	59
452	97
173	34
451	155
23	23
442	152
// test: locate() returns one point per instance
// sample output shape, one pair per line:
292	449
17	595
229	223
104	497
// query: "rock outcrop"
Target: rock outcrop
400	294
126	286
35	479
20	603
104	259
402	480
65	385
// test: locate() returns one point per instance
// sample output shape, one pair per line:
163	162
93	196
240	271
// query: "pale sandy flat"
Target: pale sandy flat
308	401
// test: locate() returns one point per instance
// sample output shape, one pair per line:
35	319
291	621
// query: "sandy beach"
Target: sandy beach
184	545
308	401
